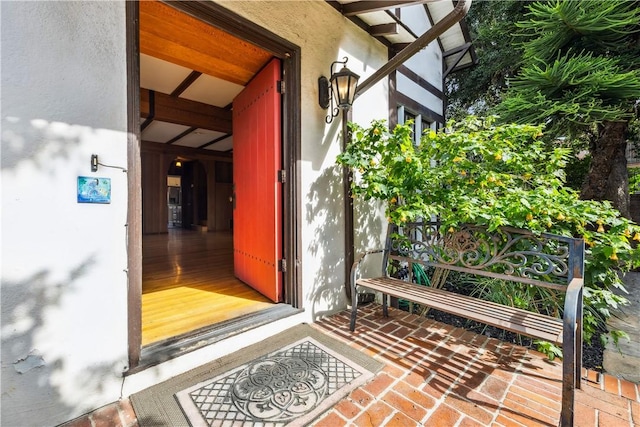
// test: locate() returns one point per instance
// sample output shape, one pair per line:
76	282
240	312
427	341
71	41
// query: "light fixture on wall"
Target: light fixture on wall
178	164
339	92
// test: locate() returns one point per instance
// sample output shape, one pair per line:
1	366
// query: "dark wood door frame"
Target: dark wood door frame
289	53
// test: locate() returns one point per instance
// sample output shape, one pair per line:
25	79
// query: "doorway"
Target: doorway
209	186
174	193
194	194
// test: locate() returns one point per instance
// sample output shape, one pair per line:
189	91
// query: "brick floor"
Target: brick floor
438	375
117	414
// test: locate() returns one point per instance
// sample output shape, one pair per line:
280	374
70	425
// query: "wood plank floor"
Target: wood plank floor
188	283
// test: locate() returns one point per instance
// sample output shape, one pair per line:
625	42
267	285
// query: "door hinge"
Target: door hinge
281	86
282	176
282	265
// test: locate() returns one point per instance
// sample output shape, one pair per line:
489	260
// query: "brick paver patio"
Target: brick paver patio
439	375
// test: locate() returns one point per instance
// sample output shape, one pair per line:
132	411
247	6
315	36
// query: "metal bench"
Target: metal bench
516	255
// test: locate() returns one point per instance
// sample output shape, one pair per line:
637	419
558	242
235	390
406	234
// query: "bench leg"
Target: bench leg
354	309
568	384
385	306
578	362
572	351
572	358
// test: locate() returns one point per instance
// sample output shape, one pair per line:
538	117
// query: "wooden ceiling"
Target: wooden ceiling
190	73
173	36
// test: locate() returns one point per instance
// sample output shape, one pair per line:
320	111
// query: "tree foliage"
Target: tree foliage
577	68
492	26
571	65
603	27
580	76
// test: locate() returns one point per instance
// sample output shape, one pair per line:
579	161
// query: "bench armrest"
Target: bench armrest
573	305
571	348
354	272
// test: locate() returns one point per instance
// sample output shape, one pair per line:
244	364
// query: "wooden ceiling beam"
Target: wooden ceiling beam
188	81
181	135
186	152
213	141
383	29
184	112
397	47
355	8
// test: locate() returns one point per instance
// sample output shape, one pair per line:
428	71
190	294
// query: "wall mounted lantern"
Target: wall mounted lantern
339	92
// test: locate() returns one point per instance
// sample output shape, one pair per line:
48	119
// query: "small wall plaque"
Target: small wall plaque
94	190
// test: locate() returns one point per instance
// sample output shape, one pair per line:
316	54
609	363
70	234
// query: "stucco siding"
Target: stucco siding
64	288
428	62
419	94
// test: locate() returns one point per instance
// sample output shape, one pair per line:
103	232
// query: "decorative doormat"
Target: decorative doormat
286	380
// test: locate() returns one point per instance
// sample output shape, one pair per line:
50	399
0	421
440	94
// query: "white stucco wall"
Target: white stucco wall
427	63
64	288
416	18
419	94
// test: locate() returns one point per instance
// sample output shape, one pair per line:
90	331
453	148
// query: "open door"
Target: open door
257	214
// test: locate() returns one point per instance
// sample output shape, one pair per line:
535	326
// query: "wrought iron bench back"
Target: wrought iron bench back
546	260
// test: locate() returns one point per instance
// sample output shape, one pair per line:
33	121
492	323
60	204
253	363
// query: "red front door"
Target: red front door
257	216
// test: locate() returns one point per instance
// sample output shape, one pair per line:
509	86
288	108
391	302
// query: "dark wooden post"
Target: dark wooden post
347	177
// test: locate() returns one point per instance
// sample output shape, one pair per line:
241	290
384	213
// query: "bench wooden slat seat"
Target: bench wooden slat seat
552	262
509	318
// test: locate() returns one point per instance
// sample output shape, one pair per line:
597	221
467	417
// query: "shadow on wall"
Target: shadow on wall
325	209
370	227
41	330
42	143
32	376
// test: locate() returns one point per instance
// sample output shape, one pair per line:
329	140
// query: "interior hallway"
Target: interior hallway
188	284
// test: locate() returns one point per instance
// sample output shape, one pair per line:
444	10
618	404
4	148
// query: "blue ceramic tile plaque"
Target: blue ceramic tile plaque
94	190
